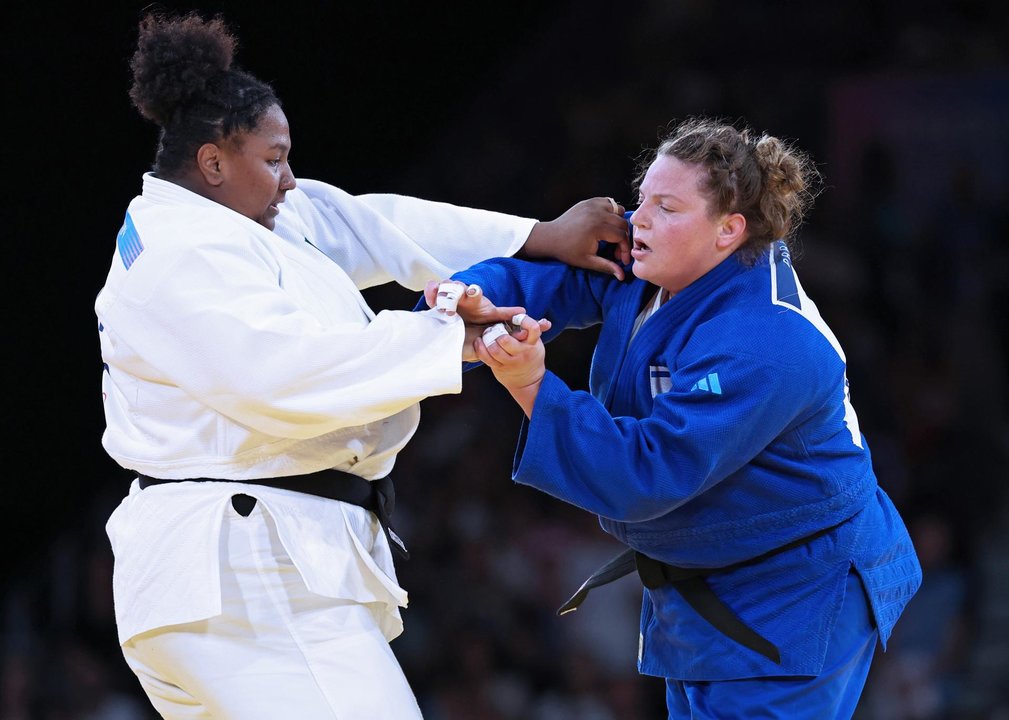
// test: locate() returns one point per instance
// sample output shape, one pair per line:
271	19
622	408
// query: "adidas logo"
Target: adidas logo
708	384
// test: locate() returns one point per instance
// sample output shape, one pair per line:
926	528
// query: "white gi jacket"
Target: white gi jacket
238	353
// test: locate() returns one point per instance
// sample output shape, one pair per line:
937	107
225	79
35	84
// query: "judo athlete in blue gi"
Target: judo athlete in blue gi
718	439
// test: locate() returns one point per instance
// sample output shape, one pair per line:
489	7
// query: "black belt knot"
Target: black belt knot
378	496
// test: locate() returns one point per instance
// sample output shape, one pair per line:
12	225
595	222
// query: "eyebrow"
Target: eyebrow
663	196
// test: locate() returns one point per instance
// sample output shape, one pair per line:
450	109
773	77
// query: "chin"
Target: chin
641	271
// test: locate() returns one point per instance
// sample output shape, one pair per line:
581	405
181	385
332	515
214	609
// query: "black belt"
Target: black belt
689	582
378	496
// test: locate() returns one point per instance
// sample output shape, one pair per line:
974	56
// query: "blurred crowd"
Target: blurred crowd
907	258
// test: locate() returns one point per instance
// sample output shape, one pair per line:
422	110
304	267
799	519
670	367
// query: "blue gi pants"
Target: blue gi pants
833	694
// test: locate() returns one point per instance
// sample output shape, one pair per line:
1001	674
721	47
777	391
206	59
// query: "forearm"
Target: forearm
570	298
378	238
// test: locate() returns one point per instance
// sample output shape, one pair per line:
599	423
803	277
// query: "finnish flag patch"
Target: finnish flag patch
659	379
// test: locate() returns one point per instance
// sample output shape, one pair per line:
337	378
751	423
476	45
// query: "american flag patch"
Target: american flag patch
128	242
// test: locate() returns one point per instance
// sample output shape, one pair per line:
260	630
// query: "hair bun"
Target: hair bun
783	170
176	59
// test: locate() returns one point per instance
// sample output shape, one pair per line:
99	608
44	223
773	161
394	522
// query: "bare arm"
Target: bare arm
574	237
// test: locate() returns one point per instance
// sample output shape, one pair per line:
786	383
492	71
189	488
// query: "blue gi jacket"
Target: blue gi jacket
722	431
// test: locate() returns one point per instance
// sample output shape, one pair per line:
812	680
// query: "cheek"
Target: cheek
690	233
668	236
266	187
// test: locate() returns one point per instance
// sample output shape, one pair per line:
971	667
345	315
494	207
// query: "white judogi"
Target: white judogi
238	353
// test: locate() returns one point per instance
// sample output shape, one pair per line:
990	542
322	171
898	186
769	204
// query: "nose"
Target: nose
287	181
638	217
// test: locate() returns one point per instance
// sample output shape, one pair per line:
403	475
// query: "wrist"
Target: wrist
526	386
525	395
537	245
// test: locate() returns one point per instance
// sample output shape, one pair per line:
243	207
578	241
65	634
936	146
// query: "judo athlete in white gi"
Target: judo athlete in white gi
718	439
262	403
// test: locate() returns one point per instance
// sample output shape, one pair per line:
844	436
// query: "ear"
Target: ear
731	232
208	161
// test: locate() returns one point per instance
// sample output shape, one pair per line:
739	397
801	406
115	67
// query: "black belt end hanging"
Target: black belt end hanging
618	567
690	583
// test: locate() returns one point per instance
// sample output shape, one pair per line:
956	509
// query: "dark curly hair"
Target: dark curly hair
763	178
184	81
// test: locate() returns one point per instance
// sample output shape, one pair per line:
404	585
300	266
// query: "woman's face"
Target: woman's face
676	240
256	174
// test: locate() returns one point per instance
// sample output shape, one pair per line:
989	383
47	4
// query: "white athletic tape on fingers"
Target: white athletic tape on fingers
473	290
517	319
613	206
491	334
448	296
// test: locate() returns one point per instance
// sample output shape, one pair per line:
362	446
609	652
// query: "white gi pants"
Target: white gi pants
276	650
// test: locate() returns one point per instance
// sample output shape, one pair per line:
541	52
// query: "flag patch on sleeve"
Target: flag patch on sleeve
128	242
659	379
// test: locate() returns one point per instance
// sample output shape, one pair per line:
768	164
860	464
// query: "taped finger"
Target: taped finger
492	333
448	297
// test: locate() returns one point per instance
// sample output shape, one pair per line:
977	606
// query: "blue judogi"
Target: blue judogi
722	431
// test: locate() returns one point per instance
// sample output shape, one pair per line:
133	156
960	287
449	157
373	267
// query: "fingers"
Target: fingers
431	292
483	355
621	238
612	206
601	264
524	331
477	308
530	328
624	253
615	231
453	297
447	296
491	314
493	333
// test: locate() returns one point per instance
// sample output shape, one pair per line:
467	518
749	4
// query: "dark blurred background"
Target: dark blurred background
528	107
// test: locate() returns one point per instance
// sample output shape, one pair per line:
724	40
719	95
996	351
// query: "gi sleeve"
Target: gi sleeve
380	238
570	298
726	403
214	321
